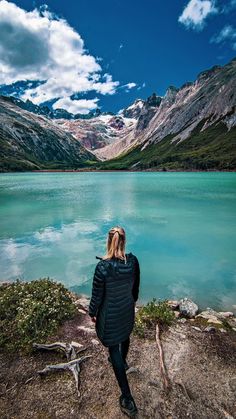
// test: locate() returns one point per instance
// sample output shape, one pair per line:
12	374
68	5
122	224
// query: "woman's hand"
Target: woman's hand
93	319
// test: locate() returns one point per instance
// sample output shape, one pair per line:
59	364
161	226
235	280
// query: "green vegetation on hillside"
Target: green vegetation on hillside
211	149
31	311
150	314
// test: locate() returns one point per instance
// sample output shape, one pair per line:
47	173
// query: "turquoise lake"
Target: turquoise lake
181	226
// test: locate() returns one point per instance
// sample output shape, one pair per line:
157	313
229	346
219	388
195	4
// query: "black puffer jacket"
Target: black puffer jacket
115	290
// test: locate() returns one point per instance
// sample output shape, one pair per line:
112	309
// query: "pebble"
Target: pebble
196	328
182	320
86	329
94	342
209	329
82	311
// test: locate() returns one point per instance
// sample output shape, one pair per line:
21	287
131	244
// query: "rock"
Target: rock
196	328
226	314
210	315
177	314
173	304
222	330
80	310
83	302
214	320
85	329
188	308
209	329
182	320
94	342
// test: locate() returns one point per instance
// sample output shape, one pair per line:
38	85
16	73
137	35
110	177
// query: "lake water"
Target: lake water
181	226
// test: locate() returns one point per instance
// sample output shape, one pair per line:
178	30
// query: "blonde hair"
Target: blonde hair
116	240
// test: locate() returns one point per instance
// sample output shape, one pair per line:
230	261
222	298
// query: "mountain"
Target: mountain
99	131
191	127
30	141
47	111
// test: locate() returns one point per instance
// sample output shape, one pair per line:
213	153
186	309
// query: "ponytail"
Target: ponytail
116	243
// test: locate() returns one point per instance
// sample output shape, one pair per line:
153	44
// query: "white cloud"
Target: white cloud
228	33
37	45
129	85
83	106
196	12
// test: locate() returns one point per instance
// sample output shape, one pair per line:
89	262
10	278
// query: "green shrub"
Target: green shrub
150	314
30	311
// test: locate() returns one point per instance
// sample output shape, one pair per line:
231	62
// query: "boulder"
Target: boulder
188	308
211	316
226	314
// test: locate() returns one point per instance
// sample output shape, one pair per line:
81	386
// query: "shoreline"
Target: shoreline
117	170
140	303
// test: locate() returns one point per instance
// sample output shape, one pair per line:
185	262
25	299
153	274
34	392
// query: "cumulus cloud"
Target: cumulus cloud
82	106
228	33
38	45
196	12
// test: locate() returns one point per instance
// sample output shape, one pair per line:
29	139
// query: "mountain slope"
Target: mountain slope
29	141
211	149
208	101
99	131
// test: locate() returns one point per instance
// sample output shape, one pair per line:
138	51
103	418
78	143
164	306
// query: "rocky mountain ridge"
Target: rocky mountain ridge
211	99
191	127
30	142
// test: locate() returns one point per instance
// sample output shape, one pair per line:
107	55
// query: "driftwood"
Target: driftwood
165	378
72	366
71	351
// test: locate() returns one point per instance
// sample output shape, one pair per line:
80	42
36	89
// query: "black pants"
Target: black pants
118	355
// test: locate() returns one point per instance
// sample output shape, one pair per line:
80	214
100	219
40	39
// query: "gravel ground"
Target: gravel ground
201	367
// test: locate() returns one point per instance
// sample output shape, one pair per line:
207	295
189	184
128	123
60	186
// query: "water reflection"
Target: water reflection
181	226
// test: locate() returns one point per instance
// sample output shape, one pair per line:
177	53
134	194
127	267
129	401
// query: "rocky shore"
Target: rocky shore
200	357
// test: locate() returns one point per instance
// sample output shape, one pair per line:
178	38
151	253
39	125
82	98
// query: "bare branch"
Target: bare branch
165	378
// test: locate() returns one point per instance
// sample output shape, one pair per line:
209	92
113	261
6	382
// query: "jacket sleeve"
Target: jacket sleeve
136	279
97	289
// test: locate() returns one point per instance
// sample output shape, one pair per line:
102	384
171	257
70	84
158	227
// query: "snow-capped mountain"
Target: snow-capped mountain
210	99
193	126
99	131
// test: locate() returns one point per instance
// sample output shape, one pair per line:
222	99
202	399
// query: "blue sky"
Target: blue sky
122	50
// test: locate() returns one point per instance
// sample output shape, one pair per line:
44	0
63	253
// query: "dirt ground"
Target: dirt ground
201	367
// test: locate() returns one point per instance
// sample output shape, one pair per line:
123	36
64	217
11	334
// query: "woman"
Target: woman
112	307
